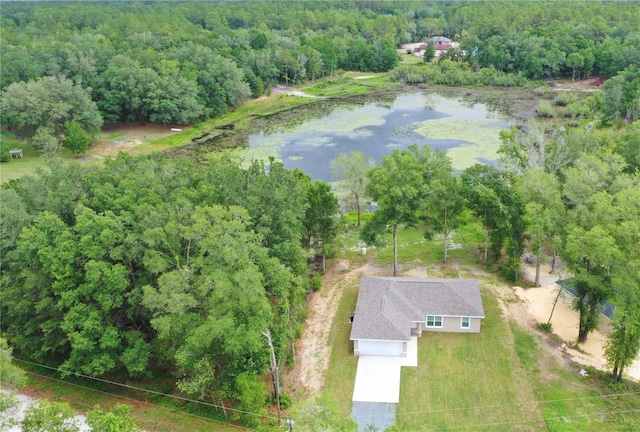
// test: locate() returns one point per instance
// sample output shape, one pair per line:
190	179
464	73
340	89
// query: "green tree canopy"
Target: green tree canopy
51	102
114	420
350	171
397	187
544	212
76	139
49	417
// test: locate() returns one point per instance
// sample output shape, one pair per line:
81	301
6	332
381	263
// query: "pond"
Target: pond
465	126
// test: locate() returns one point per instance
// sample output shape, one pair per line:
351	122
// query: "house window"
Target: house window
434	321
465	322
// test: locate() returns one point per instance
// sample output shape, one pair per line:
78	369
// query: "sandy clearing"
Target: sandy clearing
565	322
314	352
290	91
123	137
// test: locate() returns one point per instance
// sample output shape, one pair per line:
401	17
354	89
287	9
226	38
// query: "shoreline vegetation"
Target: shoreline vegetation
237	120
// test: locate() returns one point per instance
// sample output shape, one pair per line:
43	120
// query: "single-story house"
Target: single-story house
441	45
441	40
390	310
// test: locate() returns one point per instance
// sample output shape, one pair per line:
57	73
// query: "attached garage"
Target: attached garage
379	348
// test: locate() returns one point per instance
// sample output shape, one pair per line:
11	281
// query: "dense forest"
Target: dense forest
151	264
183	62
156	266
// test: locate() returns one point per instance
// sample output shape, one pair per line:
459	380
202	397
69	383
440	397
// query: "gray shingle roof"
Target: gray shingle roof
387	306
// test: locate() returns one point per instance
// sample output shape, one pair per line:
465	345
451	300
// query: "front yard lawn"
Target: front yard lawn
466	380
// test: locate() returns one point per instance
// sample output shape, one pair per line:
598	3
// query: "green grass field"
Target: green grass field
410	59
414	249
462	377
16	168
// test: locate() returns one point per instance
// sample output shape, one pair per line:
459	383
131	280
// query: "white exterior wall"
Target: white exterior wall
378	348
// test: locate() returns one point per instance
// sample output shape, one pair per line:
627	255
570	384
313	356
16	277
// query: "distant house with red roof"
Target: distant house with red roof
441	43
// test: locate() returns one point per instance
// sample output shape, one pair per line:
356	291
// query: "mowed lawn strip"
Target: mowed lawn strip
464	380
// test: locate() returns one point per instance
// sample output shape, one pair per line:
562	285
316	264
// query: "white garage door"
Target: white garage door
380	348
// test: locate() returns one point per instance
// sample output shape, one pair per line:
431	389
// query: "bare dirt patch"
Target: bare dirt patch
126	137
313	348
565	322
291	91
588	85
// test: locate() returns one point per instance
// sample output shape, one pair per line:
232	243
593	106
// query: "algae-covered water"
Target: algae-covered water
464	126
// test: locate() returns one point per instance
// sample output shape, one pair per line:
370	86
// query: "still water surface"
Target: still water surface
467	131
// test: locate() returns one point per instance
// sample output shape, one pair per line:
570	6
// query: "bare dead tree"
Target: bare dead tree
274	370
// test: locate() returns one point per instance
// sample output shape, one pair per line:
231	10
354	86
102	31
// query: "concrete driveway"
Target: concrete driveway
370	415
378	377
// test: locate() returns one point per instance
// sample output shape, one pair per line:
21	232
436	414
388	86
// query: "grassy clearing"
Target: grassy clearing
349	84
571	403
410	59
32	159
113	135
349	246
15	168
414	249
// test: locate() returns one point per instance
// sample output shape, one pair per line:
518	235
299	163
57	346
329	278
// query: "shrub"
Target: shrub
285	401
565	99
576	109
545	109
448	72
545	327
317	283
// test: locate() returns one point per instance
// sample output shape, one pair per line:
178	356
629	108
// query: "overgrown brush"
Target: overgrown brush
452	73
